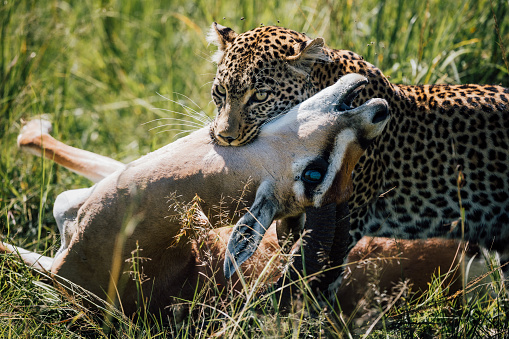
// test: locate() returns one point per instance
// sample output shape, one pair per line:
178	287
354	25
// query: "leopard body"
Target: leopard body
445	149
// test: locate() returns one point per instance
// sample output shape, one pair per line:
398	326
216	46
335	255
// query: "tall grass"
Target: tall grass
102	71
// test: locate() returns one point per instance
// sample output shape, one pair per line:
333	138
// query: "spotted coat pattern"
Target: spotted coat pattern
445	148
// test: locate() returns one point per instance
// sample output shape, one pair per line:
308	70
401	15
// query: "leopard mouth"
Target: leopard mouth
241	140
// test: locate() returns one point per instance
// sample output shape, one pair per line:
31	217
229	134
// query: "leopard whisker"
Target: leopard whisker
201	113
188	109
174	129
198	124
207	83
192	127
198	118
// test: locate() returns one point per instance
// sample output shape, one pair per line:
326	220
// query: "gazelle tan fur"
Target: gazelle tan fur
35	139
302	159
374	266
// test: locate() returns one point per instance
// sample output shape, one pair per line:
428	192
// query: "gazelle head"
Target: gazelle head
319	141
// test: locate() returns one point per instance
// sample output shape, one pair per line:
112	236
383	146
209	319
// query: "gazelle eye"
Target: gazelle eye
221	90
260	96
312	176
315	171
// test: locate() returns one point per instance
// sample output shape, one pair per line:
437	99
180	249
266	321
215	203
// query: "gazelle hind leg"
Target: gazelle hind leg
65	211
38	261
35	138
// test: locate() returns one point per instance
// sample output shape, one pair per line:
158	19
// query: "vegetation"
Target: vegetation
122	78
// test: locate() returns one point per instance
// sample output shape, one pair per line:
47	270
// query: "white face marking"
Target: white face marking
297	169
341	143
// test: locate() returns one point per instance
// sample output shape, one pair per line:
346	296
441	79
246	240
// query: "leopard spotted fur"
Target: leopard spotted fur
406	185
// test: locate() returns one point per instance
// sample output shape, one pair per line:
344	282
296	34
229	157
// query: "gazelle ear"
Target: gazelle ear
249	230
220	36
307	53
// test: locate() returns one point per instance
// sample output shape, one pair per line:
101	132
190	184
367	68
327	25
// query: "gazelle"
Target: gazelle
300	161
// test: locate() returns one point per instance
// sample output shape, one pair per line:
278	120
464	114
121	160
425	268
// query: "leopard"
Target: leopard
441	167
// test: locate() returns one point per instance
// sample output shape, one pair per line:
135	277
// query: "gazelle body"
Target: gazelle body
304	159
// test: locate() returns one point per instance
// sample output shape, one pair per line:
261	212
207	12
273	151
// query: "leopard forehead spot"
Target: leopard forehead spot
255	55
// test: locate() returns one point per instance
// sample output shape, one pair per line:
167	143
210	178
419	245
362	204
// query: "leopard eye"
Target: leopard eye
260	96
220	90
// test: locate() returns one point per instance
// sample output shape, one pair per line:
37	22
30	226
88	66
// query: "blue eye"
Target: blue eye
312	176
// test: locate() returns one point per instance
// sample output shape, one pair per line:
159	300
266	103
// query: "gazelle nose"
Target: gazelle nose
382	113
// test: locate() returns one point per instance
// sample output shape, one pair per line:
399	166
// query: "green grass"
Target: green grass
97	69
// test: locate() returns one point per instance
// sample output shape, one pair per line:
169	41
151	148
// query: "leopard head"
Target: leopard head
261	74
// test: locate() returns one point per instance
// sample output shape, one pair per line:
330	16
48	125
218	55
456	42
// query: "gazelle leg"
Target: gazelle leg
38	261
35	139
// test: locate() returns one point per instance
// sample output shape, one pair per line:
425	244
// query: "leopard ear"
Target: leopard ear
221	36
307	54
